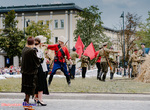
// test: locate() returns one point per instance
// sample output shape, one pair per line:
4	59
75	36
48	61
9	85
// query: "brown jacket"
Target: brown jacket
106	54
84	60
134	58
30	61
74	55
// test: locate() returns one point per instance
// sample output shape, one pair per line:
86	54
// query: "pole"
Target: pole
24	26
124	45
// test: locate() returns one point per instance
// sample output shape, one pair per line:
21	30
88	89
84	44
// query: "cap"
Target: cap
142	43
73	49
105	43
135	49
100	46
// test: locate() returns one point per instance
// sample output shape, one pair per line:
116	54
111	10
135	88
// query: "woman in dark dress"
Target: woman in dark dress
29	69
42	82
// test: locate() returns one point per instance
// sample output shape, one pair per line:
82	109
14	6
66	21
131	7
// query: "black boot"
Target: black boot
100	75
97	76
132	76
50	79
111	75
104	77
68	80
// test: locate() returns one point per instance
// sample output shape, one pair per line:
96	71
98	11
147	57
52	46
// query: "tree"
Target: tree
35	29
144	32
131	24
11	37
89	27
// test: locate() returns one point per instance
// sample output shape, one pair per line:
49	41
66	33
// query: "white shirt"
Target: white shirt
40	54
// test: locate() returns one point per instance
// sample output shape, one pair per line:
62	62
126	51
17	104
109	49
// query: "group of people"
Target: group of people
105	58
12	70
34	66
136	59
108	58
33	69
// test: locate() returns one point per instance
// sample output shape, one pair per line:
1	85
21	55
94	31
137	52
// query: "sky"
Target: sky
111	9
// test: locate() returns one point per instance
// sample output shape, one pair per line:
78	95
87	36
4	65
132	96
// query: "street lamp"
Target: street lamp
122	16
25	21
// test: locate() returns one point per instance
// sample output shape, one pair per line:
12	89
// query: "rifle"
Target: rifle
107	60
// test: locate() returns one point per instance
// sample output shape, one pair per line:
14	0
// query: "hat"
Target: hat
42	38
100	46
142	43
105	43
73	49
135	49
62	39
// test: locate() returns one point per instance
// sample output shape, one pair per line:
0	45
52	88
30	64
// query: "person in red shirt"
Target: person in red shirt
59	61
98	64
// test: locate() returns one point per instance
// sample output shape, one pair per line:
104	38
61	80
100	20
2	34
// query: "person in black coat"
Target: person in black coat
29	69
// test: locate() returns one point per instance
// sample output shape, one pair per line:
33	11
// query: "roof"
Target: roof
44	7
109	29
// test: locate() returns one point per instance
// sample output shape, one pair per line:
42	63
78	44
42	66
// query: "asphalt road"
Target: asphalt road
56	104
80	101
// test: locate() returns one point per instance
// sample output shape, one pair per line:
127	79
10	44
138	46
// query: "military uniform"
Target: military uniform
84	64
135	60
113	63
73	55
104	52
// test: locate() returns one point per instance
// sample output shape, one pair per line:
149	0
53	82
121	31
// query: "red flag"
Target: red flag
90	51
79	46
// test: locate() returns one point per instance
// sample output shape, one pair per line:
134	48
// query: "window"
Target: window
27	23
56	23
56	40
62	23
42	22
47	23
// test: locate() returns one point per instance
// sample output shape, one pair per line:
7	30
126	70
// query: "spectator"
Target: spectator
29	69
42	69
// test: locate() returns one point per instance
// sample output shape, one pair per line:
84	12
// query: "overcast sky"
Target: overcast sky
111	9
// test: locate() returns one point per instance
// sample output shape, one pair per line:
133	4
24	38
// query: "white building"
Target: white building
62	17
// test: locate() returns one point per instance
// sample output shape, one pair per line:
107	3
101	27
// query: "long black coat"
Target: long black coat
29	70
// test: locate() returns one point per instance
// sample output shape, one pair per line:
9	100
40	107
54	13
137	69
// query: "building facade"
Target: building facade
59	17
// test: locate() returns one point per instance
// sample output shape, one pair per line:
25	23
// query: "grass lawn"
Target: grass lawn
118	85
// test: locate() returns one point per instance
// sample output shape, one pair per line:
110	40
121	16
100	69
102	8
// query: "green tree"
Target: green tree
35	29
132	22
144	32
11	36
89	27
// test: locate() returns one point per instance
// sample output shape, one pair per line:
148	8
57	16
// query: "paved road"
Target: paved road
74	101
56	104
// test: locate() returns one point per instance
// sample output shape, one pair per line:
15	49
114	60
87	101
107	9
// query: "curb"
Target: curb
82	96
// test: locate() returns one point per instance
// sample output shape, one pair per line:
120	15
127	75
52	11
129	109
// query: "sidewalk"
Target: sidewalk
82	96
